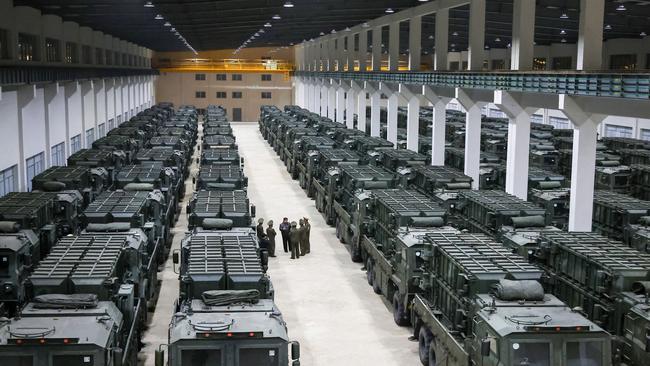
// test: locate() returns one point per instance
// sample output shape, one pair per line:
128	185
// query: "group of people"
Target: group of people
295	237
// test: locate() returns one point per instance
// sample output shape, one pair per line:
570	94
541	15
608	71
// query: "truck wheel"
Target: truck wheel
369	273
432	355
376	285
424	344
399	311
338	229
355	253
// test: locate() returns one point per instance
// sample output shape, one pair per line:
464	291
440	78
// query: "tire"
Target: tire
355	252
424	344
432	355
369	273
376	285
338	229
399	311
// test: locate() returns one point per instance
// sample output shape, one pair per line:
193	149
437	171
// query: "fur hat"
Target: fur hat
270	222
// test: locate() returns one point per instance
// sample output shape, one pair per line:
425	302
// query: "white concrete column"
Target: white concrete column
376	49
363	49
375	114
442	40
590	35
317	99
438	133
331	103
583	165
340	104
393	46
472	136
350	107
415	43
518	143
523	35
361	110
323	100
393	103
475	52
310	92
413	124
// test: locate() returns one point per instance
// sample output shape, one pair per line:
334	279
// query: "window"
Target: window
199	77
118	120
454	66
4	44
617	131
86	55
259	356
111	124
27	47
75	144
199	94
539	64
221	77
236	115
645	134
222	95
498	64
34	166
58	154
236	95
101	130
266	95
71	56
496	113
537	118
202	357
52	50
99	56
109	57
266	77
622	62
531	353
562	63
8	180
465	65
117	58
125	59
558	122
236	77
90	138
584	353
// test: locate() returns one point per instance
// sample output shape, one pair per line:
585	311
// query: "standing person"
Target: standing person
303	236
270	233
294	240
285	227
307	232
260	229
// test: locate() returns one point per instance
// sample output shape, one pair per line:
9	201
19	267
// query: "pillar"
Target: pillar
442	40
317	99
331	102
375	114
350	107
323	100
523	35
331	55
590	35
349	52
340	104
472	136
376	49
361	110
393	101
363	49
393	46
438	133
415	43
476	35
583	165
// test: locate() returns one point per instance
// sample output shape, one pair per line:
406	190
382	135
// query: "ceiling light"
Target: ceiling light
508	45
365	25
564	16
347	29
423	1
288	4
268	25
497	39
453	45
173	29
291	44
256	34
390	11
563	40
563	32
431	37
148	4
322	33
608	27
621	7
277	17
167	24
643	34
333	31
487	47
159	17
454	33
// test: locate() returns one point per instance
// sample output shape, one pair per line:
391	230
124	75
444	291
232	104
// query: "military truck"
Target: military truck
395	160
296	161
220	268
489	166
229	205
640	181
175	142
613	177
89	182
88	304
219	142
319	162
19	253
481	304
125	144
556	201
220	177
111	160
180	132
605	280
614	212
133	132
221	156
438	182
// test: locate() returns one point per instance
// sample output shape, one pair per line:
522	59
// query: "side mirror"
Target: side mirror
193	180
160	357
485	347
253	210
295	352
175	257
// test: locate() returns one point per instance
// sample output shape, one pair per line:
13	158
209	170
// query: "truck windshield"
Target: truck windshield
531	354
588	353
258	357
201	357
72	360
4	265
17	360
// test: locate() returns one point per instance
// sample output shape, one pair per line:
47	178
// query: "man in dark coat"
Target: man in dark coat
285	227
303	236
307	233
294	240
260	229
270	234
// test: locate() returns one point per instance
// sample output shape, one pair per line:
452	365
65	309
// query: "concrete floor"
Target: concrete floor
325	299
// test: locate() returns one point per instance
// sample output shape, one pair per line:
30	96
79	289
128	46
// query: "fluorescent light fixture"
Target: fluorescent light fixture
172	29
365	25
276	17
167	24
333	31
148	4
431	36
643	34
563	40
159	17
564	15
390	11
562	32
268	25
454	33
322	33
497	39
347	29
621	7
608	27
288	4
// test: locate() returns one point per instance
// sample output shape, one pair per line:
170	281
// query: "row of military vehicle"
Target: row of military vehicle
225	313
85	272
480	275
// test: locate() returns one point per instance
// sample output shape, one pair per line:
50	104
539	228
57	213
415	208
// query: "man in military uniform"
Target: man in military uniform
307	233
260	229
270	234
303	236
294	240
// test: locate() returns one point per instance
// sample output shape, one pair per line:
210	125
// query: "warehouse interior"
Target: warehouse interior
464	182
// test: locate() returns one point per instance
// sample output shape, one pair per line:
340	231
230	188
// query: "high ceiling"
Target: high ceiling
220	24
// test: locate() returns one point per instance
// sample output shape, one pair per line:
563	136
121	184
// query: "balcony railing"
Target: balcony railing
222	65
